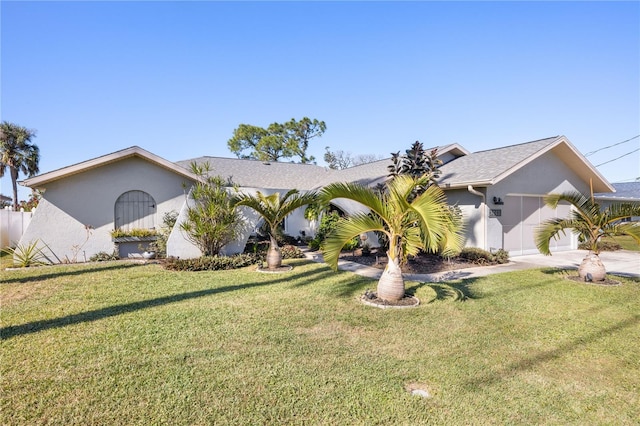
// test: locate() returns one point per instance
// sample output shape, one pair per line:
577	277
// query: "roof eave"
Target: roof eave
588	173
134	151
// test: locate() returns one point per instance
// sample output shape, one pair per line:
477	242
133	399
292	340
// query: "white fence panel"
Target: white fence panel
12	226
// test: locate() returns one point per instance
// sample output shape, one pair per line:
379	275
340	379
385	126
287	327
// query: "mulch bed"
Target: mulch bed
424	263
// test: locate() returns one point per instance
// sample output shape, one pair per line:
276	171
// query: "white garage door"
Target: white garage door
521	215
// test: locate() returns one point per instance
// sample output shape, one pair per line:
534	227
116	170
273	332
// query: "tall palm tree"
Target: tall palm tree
591	224
424	223
17	154
274	209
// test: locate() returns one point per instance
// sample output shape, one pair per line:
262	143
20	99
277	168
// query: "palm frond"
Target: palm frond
346	229
355	192
552	228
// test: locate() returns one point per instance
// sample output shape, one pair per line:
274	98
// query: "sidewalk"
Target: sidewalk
622	262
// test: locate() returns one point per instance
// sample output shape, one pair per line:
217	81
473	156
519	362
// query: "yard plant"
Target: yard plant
127	343
591	224
211	220
410	222
273	209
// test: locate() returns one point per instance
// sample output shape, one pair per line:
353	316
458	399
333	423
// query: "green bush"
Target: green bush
135	232
213	263
26	255
483	257
260	248
314	244
103	256
328	223
501	256
291	252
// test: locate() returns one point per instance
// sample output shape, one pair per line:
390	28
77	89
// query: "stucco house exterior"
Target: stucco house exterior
499	191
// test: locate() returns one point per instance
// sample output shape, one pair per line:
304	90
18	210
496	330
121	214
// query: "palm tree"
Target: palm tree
424	223
591	224
274	209
17	154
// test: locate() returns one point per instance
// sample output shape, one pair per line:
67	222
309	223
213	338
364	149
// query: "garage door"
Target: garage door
521	215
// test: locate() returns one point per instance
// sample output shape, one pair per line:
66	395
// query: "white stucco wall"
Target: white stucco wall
88	199
473	213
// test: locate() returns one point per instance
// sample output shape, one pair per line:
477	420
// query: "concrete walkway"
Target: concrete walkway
622	262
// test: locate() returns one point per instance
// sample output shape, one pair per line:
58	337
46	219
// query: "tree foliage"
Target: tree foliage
17	154
416	162
274	209
339	160
278	141
212	220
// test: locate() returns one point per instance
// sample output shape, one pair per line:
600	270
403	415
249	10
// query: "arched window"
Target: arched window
135	209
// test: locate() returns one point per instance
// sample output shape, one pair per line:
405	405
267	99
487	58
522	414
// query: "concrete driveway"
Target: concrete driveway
621	262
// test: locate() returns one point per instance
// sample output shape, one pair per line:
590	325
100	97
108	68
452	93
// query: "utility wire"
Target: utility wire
611	146
624	155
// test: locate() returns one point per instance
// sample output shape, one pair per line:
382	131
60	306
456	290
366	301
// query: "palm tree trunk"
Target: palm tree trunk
593	266
391	283
14	185
274	257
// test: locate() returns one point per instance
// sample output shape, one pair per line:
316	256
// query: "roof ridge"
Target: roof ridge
247	159
519	144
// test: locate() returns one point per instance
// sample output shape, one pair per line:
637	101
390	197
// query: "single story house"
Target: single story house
500	192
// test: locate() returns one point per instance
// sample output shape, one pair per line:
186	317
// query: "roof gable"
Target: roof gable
134	151
489	167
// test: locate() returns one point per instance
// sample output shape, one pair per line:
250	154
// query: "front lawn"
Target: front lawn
626	242
123	343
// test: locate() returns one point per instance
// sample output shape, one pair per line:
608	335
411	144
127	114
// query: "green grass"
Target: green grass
120	343
626	242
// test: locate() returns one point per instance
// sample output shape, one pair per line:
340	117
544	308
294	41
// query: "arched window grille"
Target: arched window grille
135	209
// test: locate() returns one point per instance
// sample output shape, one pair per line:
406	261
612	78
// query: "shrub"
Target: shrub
103	256
501	256
135	232
211	221
212	263
328	223
25	255
168	222
291	252
483	257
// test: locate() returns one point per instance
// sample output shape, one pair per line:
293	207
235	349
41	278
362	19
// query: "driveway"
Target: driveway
621	262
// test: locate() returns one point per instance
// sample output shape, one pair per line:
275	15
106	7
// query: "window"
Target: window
135	209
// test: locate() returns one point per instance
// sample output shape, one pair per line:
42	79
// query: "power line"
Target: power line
624	155
611	146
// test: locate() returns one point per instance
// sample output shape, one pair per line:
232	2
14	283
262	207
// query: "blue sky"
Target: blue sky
177	78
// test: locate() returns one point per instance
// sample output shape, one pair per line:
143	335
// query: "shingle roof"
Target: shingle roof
487	166
626	191
478	168
264	174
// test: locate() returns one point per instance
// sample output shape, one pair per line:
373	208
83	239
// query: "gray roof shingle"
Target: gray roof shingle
483	167
486	166
264	174
626	191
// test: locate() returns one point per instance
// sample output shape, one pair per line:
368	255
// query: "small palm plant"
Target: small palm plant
274	209
424	223
591	224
